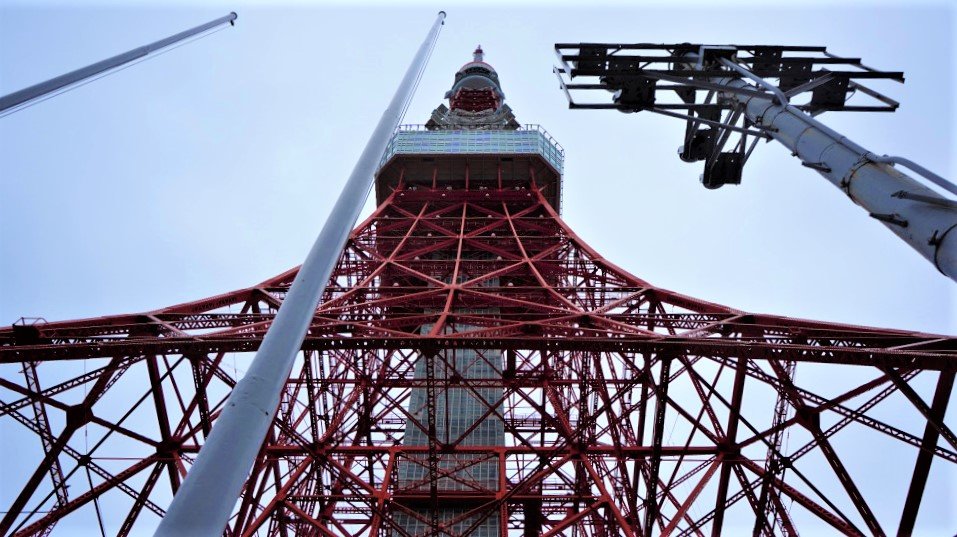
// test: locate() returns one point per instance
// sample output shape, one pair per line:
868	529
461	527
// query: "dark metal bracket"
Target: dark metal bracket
691	82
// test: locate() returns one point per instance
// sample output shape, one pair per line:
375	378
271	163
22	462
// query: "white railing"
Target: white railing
529	139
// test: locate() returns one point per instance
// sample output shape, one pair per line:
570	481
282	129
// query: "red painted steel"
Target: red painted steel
474	100
628	409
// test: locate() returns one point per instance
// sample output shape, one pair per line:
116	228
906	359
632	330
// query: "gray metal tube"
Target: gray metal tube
889	195
205	501
43	88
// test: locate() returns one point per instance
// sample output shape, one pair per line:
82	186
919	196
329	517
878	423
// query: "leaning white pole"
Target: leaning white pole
203	504
36	91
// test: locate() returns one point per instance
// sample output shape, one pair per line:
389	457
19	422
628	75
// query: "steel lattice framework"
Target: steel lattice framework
597	403
597	365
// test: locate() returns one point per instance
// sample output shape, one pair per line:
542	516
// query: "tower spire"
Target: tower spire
476	99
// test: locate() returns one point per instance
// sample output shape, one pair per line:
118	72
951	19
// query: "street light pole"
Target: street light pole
924	219
741	106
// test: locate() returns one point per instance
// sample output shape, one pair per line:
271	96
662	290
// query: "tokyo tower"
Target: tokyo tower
474	368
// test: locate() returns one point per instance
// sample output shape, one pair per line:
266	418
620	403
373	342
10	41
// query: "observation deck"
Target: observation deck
473	159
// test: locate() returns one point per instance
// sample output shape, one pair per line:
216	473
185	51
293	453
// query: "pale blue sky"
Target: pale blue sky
213	166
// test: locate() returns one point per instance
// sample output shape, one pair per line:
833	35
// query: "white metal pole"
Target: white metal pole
36	91
203	504
917	214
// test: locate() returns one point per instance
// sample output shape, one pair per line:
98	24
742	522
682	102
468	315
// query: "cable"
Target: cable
916	168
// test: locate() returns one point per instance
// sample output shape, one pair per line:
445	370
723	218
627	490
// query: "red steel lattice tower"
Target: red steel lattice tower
475	368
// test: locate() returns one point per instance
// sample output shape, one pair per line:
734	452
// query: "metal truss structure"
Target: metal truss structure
475	368
627	409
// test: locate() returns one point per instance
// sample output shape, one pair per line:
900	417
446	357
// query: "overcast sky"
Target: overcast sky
213	166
